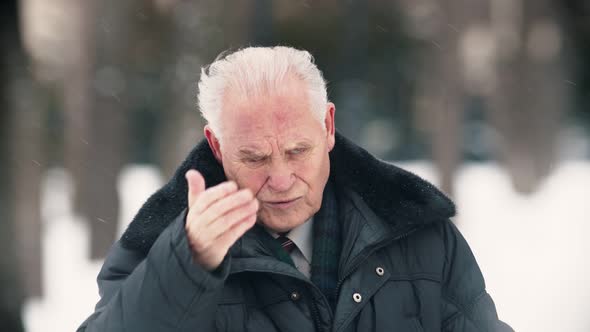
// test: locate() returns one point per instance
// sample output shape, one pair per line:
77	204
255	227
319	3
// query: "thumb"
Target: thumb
196	185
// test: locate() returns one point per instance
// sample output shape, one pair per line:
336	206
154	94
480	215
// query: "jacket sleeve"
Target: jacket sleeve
467	307
163	291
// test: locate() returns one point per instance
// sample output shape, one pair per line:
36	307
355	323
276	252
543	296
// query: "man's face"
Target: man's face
273	145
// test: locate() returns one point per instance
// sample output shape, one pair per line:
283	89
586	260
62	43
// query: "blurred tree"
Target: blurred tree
528	101
106	57
93	142
511	54
192	33
19	175
440	97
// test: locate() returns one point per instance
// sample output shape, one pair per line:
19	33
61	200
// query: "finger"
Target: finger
222	224
208	234
230	237
205	236
226	204
213	194
196	185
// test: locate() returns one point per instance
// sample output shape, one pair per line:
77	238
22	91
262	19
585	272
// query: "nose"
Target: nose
280	177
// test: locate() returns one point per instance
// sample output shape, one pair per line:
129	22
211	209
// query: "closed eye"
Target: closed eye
254	160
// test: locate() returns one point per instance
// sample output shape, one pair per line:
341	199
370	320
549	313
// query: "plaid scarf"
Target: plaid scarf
327	244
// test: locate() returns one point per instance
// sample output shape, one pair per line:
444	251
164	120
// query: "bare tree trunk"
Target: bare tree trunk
215	30
77	91
181	126
27	165
19	175
78	99
529	96
92	134
445	112
440	89
11	293
101	197
109	114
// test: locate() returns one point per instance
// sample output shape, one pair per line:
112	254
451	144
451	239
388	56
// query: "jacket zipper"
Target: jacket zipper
350	270
314	310
315	314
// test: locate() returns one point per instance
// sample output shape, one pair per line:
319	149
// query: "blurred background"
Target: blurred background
488	99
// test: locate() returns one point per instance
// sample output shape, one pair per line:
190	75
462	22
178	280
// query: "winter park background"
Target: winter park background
489	100
520	243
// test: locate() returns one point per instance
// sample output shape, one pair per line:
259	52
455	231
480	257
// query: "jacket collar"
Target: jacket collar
397	197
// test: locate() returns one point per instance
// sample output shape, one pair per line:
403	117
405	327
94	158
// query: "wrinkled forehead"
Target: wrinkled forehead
285	117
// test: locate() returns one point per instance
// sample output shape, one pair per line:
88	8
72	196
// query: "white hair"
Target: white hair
255	71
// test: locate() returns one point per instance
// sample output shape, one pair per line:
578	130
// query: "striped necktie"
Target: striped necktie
286	243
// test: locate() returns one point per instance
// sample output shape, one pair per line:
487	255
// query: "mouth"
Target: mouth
282	204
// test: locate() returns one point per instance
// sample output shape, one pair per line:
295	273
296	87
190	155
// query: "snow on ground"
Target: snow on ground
531	249
69	276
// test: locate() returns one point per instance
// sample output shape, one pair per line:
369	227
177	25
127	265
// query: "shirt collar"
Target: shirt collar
302	236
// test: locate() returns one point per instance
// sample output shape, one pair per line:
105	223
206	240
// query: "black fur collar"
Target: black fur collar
395	195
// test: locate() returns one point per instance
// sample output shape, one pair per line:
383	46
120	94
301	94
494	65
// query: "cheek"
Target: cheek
314	172
250	178
306	171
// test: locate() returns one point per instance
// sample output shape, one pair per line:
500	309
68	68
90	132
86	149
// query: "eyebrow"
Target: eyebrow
299	145
250	153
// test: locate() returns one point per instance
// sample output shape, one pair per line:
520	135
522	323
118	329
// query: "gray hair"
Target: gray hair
253	71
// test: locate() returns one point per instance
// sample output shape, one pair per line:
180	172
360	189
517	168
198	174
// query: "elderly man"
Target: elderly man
276	222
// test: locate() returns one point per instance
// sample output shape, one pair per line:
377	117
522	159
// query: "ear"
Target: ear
213	142
329	123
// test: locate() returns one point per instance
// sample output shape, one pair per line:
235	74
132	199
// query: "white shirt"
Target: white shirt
301	255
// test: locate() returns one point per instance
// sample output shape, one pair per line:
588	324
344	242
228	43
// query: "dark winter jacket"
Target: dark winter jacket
404	266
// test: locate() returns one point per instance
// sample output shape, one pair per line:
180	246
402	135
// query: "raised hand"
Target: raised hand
216	218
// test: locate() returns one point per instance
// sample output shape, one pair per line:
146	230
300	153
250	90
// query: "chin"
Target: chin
282	223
